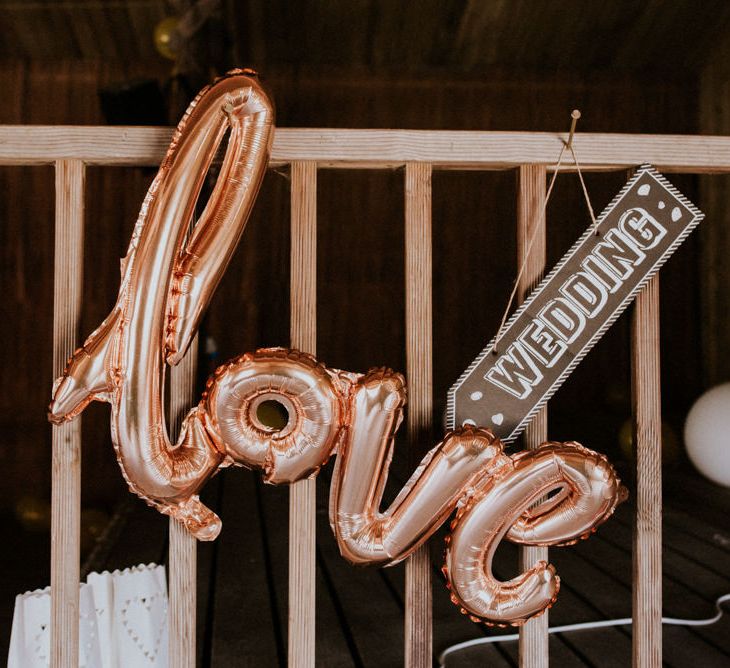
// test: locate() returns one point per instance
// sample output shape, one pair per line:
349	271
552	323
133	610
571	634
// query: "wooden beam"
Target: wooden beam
66	454
533	643
374	149
418	269
302	497
647	565
183	551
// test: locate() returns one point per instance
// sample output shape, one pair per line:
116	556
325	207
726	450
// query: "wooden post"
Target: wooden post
647	567
66	457
302	497
533	644
183	550
418	614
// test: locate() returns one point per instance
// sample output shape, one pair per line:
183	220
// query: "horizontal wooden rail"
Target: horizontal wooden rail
370	149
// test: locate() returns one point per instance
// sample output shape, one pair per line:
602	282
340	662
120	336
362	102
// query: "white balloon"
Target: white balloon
707	434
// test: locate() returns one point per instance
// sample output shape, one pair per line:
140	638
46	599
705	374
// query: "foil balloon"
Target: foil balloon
167	282
168	278
307	392
501	504
497	496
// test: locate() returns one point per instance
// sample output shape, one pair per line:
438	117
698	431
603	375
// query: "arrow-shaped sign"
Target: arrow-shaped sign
573	306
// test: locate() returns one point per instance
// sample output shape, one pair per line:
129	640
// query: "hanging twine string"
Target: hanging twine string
585	190
575	115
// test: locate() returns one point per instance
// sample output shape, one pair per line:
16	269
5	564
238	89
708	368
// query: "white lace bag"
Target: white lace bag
122	622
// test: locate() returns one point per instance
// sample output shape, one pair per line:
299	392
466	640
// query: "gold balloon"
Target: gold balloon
165	36
356	415
302	386
167	282
500	505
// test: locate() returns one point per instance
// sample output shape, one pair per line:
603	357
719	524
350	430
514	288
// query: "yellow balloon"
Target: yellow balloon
165	37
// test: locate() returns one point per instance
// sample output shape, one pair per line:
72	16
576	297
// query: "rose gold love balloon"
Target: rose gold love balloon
167	282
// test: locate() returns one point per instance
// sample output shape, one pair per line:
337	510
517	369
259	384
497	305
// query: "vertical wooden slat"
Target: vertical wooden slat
418	268
183	551
533	644
647	566
302	497
66	457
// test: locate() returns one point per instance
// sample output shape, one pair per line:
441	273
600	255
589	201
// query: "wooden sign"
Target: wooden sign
573	306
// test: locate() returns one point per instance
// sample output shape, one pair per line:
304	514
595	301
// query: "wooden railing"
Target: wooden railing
70	149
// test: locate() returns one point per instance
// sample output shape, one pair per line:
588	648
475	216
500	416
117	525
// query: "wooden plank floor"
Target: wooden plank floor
242	583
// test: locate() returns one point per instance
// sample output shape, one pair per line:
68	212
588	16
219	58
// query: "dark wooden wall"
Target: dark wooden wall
360	288
715	193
